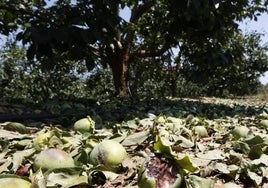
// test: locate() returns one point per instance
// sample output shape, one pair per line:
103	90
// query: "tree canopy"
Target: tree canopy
93	31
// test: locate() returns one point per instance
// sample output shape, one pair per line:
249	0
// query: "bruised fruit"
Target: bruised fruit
155	172
53	158
13	181
109	154
239	132
84	125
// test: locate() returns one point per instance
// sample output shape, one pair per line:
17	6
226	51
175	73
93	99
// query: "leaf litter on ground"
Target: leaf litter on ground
221	157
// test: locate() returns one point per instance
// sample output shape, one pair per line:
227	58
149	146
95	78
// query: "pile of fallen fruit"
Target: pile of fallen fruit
174	146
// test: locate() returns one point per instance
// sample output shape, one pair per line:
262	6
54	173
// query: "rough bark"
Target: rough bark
119	66
119	59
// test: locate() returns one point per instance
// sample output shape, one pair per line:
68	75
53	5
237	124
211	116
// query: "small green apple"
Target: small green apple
13	181
53	158
84	125
108	153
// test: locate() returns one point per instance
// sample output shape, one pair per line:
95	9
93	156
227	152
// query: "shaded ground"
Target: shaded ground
116	110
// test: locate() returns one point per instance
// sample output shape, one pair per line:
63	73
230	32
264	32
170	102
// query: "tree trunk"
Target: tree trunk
119	57
173	87
119	65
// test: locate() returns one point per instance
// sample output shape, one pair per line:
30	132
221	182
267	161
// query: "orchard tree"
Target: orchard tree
93	30
22	79
234	67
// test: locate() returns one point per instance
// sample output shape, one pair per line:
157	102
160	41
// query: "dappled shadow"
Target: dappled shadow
210	108
116	110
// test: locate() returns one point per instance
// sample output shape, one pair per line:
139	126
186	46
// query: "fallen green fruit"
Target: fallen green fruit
16	127
53	158
13	181
264	123
84	125
200	131
108	153
240	132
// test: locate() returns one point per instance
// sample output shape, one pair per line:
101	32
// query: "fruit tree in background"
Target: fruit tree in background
94	32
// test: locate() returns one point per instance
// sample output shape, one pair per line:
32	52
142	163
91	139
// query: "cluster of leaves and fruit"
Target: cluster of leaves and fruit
155	151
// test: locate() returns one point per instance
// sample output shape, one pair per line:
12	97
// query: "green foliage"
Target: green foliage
152	79
148	79
100	83
61	27
94	32
30	80
233	68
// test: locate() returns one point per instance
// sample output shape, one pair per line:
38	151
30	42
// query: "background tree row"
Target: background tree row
93	33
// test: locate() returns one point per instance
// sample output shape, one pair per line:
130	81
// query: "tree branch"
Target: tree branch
139	10
151	53
136	14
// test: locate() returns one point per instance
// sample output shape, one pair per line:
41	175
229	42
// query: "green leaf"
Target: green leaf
135	139
241	146
82	157
186	163
65	177
163	147
254	140
19	156
256	151
24	143
37	2
5	165
184	142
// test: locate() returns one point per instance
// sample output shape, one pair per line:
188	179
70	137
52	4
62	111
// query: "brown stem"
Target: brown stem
151	53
